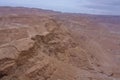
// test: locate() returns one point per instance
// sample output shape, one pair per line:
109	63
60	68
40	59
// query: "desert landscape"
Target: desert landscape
37	44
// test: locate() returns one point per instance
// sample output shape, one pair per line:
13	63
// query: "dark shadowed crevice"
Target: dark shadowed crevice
2	74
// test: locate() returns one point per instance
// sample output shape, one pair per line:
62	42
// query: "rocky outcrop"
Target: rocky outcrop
42	55
47	48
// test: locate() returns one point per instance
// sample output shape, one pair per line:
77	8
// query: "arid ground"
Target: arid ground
38	44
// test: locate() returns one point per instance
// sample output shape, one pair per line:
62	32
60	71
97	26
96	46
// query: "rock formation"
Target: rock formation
56	47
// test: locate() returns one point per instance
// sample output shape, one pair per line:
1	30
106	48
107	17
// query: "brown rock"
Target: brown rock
45	45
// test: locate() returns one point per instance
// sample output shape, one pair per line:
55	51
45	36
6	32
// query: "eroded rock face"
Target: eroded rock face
44	48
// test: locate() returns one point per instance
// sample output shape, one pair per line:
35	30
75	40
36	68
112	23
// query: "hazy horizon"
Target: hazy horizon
102	7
